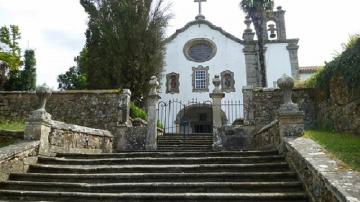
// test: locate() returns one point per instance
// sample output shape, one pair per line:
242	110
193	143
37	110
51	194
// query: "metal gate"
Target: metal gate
194	117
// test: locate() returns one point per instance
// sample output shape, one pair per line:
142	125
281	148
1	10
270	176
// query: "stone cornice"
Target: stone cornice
205	22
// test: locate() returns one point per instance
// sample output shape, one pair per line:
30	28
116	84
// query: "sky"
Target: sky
55	28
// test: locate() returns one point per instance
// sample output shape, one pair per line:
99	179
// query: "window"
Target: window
200	50
227	81
172	83
200	79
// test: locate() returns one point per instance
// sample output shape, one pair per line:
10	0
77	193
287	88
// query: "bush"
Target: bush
137	112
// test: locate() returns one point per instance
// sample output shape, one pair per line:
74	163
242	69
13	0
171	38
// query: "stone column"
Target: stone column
216	97
153	98
38	125
248	94
124	108
280	23
294	60
291	119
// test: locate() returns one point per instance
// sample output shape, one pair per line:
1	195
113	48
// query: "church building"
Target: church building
200	50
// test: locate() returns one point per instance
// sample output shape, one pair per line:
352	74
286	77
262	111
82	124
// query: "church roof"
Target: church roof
201	21
309	69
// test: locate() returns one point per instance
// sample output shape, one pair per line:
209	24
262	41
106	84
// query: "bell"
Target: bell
272	35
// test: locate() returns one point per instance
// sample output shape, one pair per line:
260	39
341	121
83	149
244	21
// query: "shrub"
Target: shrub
137	112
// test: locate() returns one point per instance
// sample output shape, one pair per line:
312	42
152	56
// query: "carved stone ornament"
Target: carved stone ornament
43	92
154	84
217	81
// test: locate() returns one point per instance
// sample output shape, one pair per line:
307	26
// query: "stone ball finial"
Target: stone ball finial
43	92
285	82
279	8
247	22
216	81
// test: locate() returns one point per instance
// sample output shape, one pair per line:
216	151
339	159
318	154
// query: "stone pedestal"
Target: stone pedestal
153	98
124	106
291	119
38	125
216	97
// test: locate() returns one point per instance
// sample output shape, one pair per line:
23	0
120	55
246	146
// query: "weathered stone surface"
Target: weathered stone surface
97	109
268	137
325	178
236	138
68	138
130	139
17	158
264	105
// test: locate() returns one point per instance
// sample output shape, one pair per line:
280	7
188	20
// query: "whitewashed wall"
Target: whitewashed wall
277	62
229	56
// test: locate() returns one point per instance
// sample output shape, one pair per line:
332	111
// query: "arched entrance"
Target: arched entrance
196	118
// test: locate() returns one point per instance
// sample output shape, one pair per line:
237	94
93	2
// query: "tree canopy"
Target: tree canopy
256	10
125	45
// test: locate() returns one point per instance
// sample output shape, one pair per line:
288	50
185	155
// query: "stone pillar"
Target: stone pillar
124	108
251	57
280	23
294	60
38	125
153	98
291	119
248	94
216	97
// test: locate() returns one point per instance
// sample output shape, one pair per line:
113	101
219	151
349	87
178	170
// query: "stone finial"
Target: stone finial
154	85
43	93
247	23
286	83
217	81
126	92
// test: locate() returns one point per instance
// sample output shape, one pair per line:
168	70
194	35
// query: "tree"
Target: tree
125	44
28	75
74	78
256	10
10	54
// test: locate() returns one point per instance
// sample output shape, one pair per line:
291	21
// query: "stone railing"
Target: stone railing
268	137
17	158
325	179
67	138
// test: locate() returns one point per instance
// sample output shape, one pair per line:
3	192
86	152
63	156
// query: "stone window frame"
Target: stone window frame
232	84
193	42
168	83
207	76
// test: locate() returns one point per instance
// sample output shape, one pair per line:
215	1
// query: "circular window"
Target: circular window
199	50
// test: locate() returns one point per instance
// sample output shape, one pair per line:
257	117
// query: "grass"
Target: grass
7	141
345	147
12	125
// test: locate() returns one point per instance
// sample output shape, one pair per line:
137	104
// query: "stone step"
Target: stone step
210	142
170	154
183	197
157	177
202	168
156	187
187	135
184	148
162	160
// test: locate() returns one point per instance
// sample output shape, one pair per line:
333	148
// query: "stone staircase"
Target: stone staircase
196	174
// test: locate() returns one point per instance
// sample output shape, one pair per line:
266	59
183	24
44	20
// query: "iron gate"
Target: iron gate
178	117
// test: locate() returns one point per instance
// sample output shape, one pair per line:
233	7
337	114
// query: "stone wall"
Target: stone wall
17	158
235	138
130	138
96	109
268	137
67	138
262	105
325	179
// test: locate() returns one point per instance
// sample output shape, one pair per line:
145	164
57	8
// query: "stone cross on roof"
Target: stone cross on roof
200	16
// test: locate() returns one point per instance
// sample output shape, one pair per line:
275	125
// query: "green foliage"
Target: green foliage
343	146
125	44
28	75
137	112
257	10
345	66
160	125
12	125
11	76
75	78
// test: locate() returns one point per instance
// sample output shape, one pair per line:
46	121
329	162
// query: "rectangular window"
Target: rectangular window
200	79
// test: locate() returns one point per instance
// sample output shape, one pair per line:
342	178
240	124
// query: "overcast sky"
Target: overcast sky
55	28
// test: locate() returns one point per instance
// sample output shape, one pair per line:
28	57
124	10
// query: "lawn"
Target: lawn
12	125
345	147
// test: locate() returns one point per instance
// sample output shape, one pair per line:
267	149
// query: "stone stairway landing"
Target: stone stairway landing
185	142
158	176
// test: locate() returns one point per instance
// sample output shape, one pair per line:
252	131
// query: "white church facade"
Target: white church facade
200	50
